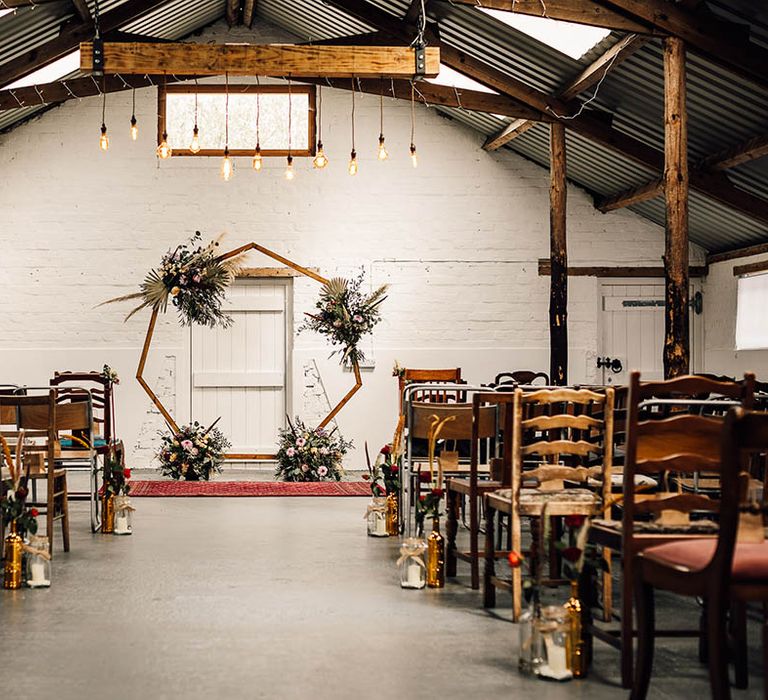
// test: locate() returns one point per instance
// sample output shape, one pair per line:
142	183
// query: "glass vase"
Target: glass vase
413	570
576	656
12	552
435	556
554	629
393	517
123	509
107	514
530	642
376	516
38	562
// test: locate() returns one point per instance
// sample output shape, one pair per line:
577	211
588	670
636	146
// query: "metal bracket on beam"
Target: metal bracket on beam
98	56
420	54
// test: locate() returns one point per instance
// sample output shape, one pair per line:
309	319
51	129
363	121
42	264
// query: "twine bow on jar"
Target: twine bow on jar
412	548
123	504
35	549
379	505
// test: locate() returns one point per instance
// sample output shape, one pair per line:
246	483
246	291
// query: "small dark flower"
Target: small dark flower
366	477
437	492
425	477
127	473
572	554
34	512
515	559
422	499
386	450
21	493
574	521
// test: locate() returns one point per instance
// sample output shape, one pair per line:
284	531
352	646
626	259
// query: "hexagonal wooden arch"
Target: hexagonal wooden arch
151	329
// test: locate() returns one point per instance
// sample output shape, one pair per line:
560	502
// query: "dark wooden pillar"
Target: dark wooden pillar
558	281
676	335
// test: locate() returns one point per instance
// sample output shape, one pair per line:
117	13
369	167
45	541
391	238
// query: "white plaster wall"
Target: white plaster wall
457	239
720	295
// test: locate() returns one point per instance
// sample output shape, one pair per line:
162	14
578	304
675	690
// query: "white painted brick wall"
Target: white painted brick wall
457	239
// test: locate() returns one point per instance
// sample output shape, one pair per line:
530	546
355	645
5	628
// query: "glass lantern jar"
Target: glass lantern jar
38	562
554	629
123	516
413	570
530	642
376	516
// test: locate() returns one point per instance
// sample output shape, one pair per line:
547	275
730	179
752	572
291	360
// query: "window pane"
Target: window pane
752	313
273	120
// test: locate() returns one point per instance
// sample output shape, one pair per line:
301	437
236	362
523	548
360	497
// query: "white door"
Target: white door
632	322
239	373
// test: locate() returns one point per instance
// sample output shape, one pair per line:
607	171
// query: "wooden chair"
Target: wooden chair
430	376
38	417
471	487
558	430
717	570
522	376
659	427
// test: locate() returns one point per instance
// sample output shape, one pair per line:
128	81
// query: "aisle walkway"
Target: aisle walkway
265	598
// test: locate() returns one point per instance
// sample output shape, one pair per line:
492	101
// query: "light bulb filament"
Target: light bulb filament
194	145
383	154
353	167
227	166
289	173
103	139
134	128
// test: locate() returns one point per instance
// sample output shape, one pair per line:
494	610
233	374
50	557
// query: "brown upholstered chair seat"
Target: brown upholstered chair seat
696	527
750	561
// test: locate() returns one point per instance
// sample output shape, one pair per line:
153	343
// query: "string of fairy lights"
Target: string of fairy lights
227	169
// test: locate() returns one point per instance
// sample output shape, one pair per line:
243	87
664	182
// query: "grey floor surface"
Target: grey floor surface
275	598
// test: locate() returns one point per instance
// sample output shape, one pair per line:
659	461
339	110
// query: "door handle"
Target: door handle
614	364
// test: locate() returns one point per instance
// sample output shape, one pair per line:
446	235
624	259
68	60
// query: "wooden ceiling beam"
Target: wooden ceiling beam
261	59
723	42
439	95
576	11
81	8
590	76
633	195
233	12
249	12
69	39
734	253
738	154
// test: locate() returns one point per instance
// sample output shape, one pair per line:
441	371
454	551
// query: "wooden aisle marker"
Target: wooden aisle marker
263	59
151	329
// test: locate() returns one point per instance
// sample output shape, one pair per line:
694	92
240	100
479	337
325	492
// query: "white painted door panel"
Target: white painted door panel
238	373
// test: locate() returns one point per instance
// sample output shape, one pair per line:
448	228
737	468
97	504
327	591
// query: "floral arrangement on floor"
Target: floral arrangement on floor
310	455
384	473
110	375
344	315
116	475
195	278
14	491
574	549
192	453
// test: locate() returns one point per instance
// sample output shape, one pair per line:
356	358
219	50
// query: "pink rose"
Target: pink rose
187	445
290	452
305	468
322	470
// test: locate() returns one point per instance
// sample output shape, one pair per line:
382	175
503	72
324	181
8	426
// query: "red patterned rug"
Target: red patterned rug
219	489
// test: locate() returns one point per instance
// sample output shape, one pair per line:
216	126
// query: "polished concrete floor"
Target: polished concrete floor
274	598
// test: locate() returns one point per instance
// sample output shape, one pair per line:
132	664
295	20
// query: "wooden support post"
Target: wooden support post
558	285
676	333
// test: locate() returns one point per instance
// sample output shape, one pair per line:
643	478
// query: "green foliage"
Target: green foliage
310	455
13	507
192	453
428	506
116	475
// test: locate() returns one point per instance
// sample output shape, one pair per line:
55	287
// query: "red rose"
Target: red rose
437	492
422	498
127	473
575	521
572	554
21	493
425	477
515	559
386	450
366	477
34	512
393	468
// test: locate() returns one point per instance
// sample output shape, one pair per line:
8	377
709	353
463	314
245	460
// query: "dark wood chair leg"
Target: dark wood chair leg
627	626
474	535
451	528
765	651
489	590
739	637
718	655
646	624
586	597
703	648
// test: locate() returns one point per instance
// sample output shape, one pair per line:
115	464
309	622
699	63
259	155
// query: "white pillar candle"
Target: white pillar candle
556	666
413	574
38	574
121	524
381	524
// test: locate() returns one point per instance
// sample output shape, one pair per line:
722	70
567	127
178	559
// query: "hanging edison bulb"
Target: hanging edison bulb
103	139
258	162
320	160
134	128
414	158
353	162
227	167
289	172
164	151
194	144
383	154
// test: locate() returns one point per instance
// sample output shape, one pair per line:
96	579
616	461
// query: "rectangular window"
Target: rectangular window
176	110
752	313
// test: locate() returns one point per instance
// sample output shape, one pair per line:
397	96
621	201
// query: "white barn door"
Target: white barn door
240	373
632	321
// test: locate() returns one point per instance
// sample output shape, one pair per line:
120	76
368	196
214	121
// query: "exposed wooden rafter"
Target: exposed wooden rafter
83	12
714	185
69	39
617	271
233	12
723	42
249	12
590	76
577	11
633	195
734	253
738	154
261	59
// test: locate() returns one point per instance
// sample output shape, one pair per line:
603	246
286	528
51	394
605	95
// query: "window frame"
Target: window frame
309	90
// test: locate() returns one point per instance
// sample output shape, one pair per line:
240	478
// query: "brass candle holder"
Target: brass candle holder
435	557
12	566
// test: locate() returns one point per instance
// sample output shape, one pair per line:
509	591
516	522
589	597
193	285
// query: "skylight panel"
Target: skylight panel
452	78
5	12
573	40
50	73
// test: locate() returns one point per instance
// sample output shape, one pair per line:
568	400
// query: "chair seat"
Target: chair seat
66	443
696	527
463	485
560	502
750	561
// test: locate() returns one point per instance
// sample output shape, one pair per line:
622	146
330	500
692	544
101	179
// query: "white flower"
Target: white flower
305	468
323	450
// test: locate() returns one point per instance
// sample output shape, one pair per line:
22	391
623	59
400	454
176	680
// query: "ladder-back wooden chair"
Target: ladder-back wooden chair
37	417
667	440
734	566
433	394
522	376
566	436
471	486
